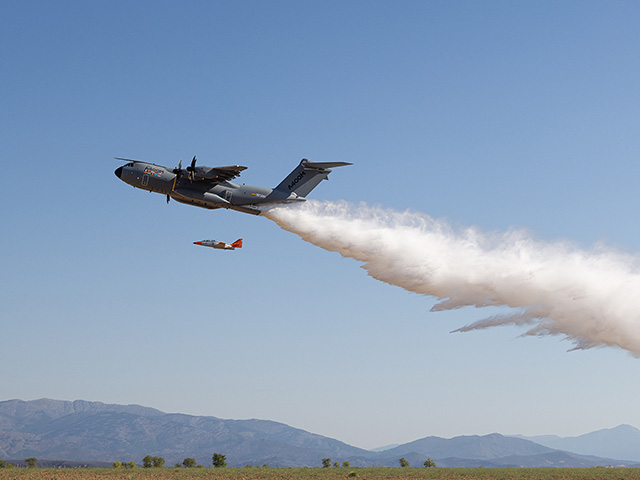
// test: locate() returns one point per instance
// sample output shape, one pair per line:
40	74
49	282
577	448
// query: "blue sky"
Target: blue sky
499	115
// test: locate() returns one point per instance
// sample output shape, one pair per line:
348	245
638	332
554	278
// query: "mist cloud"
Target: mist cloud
591	297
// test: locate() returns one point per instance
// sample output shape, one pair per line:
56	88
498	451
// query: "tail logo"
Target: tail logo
296	180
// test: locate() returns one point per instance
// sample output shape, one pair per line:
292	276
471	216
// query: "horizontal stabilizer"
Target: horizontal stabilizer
323	165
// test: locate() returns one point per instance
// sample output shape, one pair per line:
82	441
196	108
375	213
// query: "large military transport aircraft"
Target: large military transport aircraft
210	187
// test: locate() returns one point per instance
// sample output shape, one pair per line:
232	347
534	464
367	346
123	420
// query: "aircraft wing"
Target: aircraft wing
217	174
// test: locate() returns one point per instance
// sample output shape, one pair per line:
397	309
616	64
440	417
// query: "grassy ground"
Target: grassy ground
321	474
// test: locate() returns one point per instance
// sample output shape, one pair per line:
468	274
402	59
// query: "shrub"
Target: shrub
219	460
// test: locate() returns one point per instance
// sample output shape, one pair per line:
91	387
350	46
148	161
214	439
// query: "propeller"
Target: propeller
192	169
178	173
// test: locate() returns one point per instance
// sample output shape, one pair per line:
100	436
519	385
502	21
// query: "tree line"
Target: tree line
327	463
218	460
29	462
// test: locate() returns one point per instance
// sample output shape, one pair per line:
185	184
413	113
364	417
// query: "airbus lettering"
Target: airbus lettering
297	179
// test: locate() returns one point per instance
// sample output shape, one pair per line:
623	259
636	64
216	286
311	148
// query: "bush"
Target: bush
219	460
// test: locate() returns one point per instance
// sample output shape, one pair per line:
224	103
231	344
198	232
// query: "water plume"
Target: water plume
591	297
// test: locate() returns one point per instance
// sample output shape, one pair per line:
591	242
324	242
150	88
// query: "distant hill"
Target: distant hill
489	451
59	432
386	447
622	442
471	447
94	431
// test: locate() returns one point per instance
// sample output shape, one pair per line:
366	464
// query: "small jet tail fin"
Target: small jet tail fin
306	176
237	243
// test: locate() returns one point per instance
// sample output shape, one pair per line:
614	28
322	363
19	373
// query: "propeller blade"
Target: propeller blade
192	169
178	171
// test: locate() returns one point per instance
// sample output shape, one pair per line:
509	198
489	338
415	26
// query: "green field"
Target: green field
255	473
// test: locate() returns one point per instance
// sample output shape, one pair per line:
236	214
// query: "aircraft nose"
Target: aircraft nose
118	172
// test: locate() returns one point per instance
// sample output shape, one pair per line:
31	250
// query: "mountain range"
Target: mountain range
94	432
622	441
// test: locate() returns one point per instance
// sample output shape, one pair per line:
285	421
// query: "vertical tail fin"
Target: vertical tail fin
237	243
306	176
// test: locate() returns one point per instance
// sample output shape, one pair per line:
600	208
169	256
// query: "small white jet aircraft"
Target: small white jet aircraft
220	245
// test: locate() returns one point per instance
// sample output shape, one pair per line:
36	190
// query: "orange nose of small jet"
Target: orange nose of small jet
197	243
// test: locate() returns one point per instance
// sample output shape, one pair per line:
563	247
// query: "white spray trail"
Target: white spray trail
590	297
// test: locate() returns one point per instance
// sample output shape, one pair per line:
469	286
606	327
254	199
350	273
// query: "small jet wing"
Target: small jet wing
217	174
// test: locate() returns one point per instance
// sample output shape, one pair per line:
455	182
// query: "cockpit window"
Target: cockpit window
130	164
